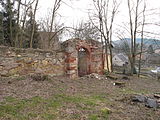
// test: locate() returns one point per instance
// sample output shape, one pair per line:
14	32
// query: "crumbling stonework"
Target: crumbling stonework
94	57
77	58
15	61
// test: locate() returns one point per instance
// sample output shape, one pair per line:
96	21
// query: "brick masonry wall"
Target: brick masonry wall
15	61
95	60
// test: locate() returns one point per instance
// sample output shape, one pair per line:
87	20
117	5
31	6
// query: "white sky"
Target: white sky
77	10
70	13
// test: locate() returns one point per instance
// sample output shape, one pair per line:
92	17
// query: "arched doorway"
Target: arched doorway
83	62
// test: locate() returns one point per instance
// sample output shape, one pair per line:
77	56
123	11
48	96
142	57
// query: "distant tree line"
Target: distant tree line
16	30
18	25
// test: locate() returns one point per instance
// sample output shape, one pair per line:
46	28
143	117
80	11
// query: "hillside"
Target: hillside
88	98
154	42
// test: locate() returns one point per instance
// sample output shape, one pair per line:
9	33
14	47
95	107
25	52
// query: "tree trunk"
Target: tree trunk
55	8
132	38
106	53
110	50
33	27
142	40
10	23
1	29
18	15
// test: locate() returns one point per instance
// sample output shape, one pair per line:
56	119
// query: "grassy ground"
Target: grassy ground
59	98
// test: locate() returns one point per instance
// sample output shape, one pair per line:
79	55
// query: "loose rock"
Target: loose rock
157	96
39	77
139	98
125	78
120	84
152	103
149	102
94	75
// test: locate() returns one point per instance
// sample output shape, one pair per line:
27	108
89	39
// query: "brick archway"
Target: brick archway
92	57
83	61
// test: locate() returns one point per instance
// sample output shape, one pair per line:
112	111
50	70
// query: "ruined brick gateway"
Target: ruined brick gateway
83	57
76	58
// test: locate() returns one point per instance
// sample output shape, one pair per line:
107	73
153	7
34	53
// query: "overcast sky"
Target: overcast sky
76	10
71	12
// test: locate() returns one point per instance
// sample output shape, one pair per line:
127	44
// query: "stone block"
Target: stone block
69	72
19	56
14	71
70	49
45	62
4	73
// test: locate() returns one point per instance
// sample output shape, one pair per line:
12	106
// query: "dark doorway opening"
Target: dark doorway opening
83	62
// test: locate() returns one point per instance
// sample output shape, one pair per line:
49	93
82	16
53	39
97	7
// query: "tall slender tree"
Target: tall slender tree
142	39
18	24
1	29
33	23
134	14
9	22
106	15
26	7
56	6
28	30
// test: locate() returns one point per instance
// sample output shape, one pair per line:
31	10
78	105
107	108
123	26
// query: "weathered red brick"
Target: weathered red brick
71	68
70	60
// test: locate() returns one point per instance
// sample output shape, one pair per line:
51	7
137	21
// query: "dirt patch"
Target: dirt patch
86	98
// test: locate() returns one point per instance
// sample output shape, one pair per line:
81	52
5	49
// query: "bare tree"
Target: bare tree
45	22
134	15
106	16
10	22
33	24
53	37
18	21
133	34
85	31
25	8
56	6
142	39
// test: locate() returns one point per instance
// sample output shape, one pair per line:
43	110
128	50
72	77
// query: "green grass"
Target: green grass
130	91
100	97
103	114
49	109
20	78
26	109
93	117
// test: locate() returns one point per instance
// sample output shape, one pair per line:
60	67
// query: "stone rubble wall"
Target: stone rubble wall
16	61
